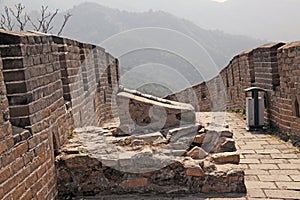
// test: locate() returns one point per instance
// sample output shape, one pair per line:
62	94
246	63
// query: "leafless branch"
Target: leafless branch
6	22
66	18
18	14
33	24
43	23
46	25
2	22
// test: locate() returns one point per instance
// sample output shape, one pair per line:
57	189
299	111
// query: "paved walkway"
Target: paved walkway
272	166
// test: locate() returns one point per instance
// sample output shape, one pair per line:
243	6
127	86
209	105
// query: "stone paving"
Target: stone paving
272	167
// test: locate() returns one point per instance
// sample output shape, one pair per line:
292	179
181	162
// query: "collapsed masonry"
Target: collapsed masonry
158	147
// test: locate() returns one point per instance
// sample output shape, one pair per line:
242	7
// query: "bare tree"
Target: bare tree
6	23
43	23
18	15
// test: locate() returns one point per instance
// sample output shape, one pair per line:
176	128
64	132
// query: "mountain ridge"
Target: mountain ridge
110	21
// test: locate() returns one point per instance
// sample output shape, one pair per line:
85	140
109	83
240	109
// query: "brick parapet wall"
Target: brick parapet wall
288	113
49	87
26	167
274	67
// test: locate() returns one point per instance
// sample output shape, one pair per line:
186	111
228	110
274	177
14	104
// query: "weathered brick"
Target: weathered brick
259	184
138	182
288	185
289	166
285	194
277	177
17	193
263	166
3	146
295	177
17	165
5	173
256	193
10	184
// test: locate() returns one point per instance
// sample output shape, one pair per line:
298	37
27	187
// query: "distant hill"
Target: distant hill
274	20
94	23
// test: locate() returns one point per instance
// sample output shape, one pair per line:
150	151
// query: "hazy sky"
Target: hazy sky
273	20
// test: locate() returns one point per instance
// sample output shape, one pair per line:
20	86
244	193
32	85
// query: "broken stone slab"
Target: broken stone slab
227	157
197	153
176	133
139	112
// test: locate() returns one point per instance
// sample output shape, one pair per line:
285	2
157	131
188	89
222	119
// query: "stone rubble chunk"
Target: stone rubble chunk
199	139
194	171
228	145
227	157
133	183
197	153
226	133
176	133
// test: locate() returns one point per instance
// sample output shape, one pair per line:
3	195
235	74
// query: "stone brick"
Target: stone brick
21	149
288	185
295	177
289	166
5	173
197	153
249	161
259	184
277	156
194	171
228	157
285	194
268	178
256	193
273	161
263	166
133	183
256	172
17	193
3	146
